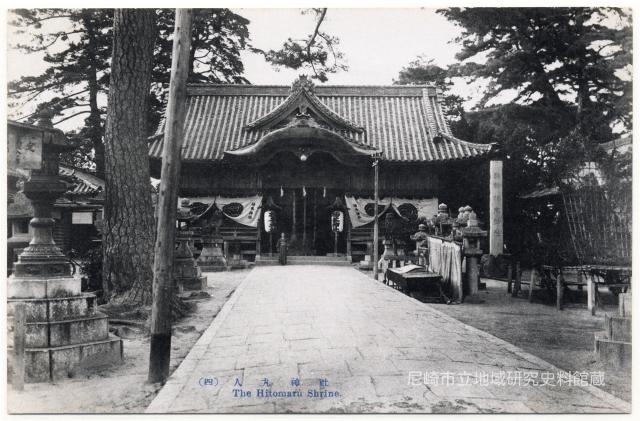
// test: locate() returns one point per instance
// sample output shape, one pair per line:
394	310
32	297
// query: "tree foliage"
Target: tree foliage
76	79
557	83
424	71
318	52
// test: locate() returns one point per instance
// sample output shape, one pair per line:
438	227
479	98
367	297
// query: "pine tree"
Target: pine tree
568	70
128	213
79	58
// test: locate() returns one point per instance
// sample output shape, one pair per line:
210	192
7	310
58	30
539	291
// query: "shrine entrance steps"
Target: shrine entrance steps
340	260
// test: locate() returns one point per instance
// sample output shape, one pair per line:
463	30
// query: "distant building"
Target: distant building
305	150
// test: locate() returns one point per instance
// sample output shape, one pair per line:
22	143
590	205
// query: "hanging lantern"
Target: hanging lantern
269	221
337	221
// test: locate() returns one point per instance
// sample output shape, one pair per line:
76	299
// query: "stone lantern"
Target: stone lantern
443	221
471	237
64	330
212	258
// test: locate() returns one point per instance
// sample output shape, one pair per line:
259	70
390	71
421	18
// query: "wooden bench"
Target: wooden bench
417	279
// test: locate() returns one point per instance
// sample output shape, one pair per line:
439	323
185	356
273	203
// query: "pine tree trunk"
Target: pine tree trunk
128	214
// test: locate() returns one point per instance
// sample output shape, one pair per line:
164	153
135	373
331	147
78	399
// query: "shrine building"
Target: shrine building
303	151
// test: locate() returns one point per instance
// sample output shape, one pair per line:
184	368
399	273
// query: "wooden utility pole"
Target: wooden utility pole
160	349
376	165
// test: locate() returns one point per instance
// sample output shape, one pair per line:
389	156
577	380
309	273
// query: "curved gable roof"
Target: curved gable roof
405	122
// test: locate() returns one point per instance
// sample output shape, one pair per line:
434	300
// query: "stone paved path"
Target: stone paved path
372	345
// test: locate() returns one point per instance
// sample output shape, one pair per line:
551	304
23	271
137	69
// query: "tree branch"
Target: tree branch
71	116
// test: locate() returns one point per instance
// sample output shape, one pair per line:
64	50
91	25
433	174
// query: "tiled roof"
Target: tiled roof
84	183
405	123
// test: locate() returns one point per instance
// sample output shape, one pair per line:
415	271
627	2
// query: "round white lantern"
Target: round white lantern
269	221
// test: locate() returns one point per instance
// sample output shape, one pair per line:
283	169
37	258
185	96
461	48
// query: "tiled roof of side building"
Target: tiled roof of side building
404	122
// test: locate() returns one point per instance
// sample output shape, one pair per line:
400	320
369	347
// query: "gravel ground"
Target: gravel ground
564	338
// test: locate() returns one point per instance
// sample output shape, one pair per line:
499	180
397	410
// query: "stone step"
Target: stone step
614	353
305	262
57	363
618	328
305	258
67	332
62	308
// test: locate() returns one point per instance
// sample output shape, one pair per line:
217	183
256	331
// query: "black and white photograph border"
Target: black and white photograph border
330	208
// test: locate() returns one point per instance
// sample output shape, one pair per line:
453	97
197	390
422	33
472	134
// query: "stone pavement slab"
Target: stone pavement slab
311	339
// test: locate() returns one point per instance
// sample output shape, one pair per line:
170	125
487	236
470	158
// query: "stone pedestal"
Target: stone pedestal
64	331
473	275
186	272
212	258
613	346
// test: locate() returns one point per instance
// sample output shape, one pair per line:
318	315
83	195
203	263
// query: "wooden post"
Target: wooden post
225	249
294	237
532	283
560	290
376	164
518	284
347	222
160	344
19	332
315	218
304	223
591	294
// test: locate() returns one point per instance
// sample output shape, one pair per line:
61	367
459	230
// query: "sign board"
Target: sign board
82	218
25	150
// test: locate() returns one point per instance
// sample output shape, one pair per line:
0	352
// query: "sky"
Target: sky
376	44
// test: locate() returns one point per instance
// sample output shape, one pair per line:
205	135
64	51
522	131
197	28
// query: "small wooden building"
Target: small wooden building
305	150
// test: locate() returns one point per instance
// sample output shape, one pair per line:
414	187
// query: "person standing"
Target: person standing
282	249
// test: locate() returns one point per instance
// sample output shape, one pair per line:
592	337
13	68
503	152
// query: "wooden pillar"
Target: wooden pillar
591	294
293	217
225	249
347	222
517	285
376	165
304	223
259	237
496	240
160	326
532	283
560	290
315	217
